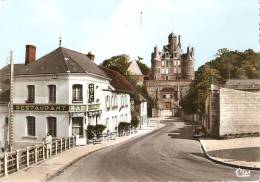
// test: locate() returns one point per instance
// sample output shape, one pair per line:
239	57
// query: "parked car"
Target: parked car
198	130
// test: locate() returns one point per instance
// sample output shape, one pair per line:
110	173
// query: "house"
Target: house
59	94
138	106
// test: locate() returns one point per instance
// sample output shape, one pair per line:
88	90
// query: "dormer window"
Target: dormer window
77	93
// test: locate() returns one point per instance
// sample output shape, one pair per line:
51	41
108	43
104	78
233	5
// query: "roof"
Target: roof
61	60
119	82
168	89
134	69
243	84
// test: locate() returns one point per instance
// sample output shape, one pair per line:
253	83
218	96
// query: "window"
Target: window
167	63
166	71
162	63
107	102
166	78
126	101
52	126
30	125
31	93
77	92
52	93
112	101
77	126
164	96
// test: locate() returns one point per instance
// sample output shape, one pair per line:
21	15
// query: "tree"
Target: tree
226	65
143	67
118	63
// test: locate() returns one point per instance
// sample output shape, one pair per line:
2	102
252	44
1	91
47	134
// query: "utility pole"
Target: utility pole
11	112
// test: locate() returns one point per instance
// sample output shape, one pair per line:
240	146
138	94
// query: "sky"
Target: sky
113	27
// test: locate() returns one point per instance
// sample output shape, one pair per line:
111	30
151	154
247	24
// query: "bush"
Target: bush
99	129
135	122
93	130
90	131
123	127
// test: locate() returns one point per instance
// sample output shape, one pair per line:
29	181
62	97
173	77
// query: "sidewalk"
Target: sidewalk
238	152
50	167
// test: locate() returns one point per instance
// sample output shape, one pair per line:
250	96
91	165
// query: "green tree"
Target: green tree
143	67
118	63
227	64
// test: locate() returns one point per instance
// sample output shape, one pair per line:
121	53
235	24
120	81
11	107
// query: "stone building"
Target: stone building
233	109
171	73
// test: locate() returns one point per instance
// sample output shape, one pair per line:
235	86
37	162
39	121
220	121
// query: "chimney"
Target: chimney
91	56
30	54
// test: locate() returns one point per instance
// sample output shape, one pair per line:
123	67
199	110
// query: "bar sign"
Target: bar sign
91	90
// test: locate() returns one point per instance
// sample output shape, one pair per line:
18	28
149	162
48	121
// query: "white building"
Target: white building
59	94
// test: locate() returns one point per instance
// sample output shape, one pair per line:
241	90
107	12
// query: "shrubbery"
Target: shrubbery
135	122
123	127
93	130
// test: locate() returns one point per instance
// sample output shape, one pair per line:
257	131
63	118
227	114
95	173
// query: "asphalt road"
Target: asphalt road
168	154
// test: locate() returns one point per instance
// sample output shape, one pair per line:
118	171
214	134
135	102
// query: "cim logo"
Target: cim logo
242	173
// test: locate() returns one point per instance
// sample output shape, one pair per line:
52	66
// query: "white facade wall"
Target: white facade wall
3	125
64	85
110	118
121	112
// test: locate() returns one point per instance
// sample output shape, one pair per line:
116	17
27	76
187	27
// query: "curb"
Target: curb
225	163
55	173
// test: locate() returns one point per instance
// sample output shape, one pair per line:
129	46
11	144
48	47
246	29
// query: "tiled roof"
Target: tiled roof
243	84
61	60
119	82
168	89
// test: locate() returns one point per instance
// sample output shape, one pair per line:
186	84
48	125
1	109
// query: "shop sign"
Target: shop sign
22	107
91	89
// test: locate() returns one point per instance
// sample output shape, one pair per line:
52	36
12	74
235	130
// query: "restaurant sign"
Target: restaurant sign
43	107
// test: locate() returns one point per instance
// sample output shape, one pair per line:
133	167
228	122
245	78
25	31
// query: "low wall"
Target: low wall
239	112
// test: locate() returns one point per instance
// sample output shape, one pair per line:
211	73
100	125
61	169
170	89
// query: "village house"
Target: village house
60	94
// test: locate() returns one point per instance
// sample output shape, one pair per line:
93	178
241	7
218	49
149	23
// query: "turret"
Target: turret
172	41
187	64
156	64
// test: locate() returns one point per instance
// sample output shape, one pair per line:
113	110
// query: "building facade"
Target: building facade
60	94
171	74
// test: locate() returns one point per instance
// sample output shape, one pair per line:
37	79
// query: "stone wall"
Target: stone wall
239	112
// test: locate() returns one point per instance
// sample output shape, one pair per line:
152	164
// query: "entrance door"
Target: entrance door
77	126
167	106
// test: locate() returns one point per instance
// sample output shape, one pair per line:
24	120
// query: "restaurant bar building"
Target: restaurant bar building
59	94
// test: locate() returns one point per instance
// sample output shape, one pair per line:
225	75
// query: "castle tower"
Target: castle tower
156	64
187	64
173	42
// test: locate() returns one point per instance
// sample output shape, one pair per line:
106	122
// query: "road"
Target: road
168	154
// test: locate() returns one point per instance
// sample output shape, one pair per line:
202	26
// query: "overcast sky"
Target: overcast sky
112	27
